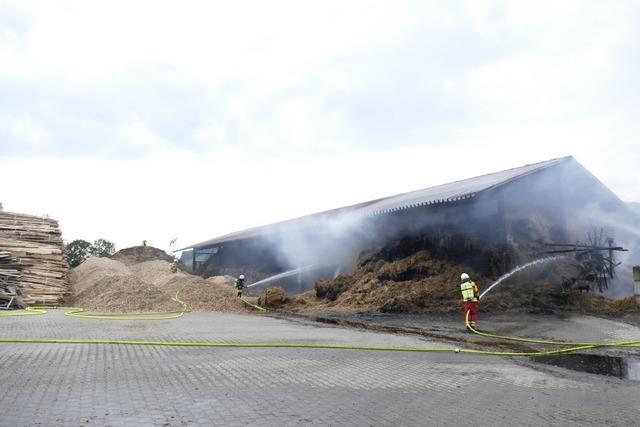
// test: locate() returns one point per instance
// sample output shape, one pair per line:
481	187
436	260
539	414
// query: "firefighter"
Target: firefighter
470	299
239	285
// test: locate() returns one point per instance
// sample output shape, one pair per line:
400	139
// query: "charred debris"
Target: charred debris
595	262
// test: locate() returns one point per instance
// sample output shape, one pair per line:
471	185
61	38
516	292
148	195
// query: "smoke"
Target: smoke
596	209
336	239
327	244
621	225
559	204
323	241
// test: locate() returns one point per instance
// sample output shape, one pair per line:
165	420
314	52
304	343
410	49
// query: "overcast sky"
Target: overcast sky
152	120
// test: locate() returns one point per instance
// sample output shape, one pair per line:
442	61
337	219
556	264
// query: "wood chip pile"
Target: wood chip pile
111	285
33	265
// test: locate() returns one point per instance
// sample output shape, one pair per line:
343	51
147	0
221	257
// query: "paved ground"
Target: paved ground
566	326
78	385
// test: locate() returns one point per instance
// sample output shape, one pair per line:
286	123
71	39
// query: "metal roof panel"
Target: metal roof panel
450	192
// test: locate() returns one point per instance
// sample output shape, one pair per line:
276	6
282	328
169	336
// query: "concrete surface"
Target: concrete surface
80	385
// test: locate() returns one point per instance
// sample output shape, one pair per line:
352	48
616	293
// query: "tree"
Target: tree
103	248
78	251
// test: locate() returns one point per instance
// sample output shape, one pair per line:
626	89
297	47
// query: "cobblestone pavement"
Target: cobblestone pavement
570	327
80	385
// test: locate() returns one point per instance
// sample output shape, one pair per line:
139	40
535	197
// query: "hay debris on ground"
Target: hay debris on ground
274	297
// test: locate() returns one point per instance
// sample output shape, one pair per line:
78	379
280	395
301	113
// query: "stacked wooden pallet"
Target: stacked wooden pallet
36	251
10	270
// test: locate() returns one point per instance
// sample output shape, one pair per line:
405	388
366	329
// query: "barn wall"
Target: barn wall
254	258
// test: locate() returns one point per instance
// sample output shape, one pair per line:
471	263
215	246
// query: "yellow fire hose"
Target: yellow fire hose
573	346
29	311
553	342
81	313
77	312
149	315
257	307
307	346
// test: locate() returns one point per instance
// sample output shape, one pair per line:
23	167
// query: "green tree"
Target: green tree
78	251
103	248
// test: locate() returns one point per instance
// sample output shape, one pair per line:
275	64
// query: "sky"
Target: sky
155	120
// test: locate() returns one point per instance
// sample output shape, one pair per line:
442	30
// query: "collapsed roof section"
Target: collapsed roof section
445	193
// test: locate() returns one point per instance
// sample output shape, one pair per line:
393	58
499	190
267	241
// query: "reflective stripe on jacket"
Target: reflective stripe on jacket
469	290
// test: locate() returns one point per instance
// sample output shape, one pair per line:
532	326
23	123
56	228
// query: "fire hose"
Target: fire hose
257	307
77	312
81	312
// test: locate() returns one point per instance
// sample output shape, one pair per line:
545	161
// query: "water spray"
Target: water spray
520	268
283	275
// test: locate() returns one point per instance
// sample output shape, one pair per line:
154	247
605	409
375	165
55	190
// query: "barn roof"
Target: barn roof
445	193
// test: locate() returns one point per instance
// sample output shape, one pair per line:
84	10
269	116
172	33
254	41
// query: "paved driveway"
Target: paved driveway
53	384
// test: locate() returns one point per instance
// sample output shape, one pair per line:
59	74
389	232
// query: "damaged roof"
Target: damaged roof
445	193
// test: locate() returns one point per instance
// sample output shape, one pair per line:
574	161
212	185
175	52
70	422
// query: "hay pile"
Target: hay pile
414	277
123	285
416	283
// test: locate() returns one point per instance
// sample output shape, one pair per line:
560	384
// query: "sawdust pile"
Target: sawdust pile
132	282
156	272
138	254
124	293
212	294
94	269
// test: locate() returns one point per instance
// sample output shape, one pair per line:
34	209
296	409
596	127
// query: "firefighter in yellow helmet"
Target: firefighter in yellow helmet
469	299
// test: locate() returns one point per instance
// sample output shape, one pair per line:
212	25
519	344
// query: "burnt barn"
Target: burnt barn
493	220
